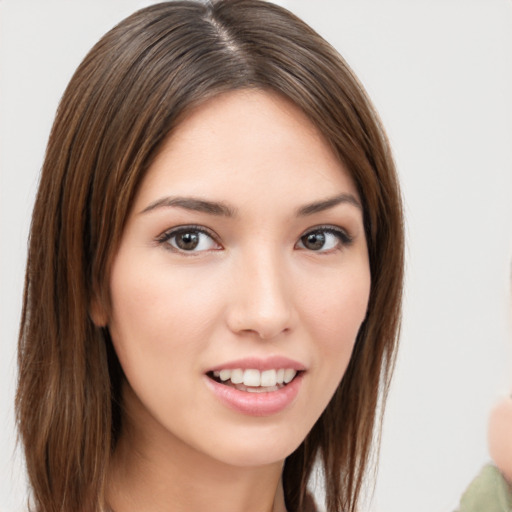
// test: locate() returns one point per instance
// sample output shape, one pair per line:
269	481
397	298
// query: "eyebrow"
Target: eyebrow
320	206
194	204
221	209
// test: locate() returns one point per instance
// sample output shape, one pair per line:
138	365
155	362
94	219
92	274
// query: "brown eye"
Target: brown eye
313	241
189	239
324	239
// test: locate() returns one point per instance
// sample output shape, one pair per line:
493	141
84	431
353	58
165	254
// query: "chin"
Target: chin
254	447
251	457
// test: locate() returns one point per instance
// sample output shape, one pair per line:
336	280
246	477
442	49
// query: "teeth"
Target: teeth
252	378
224	375
237	376
289	374
262	390
268	378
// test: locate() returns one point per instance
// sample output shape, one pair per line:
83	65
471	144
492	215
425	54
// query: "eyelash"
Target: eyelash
343	237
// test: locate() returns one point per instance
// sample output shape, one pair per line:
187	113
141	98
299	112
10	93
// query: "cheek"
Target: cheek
336	311
157	313
334	318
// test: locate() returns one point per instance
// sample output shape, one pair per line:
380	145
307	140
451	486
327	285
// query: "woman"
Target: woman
214	275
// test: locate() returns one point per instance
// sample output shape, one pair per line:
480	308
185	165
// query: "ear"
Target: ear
98	313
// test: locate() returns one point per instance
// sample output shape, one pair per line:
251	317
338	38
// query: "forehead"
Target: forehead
242	143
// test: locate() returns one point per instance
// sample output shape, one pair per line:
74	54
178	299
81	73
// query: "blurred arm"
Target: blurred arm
500	437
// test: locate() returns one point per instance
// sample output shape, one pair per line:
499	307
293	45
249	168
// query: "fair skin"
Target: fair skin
245	250
500	438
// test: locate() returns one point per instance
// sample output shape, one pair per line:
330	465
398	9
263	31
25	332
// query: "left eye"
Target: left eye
189	240
323	240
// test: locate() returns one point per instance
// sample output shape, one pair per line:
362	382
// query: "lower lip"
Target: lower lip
256	404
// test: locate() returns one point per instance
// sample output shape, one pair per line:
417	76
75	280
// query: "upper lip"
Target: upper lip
259	363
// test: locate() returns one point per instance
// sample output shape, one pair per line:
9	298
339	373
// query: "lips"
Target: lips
257	387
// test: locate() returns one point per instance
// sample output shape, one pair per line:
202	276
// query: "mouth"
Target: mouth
257	386
255	381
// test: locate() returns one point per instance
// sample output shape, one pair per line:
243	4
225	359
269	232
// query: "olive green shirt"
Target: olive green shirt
488	492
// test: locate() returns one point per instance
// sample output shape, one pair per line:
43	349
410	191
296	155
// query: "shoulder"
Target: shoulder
489	491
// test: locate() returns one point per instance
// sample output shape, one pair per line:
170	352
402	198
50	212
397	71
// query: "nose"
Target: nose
261	299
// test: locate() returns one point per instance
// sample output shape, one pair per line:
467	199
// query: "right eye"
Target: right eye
189	239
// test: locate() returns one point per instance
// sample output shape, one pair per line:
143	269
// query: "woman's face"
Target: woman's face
243	265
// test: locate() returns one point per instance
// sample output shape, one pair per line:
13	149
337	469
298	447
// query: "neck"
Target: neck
154	471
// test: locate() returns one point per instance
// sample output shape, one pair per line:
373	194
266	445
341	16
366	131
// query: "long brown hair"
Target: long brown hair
126	97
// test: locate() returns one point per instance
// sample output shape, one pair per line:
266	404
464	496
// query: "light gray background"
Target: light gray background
440	74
